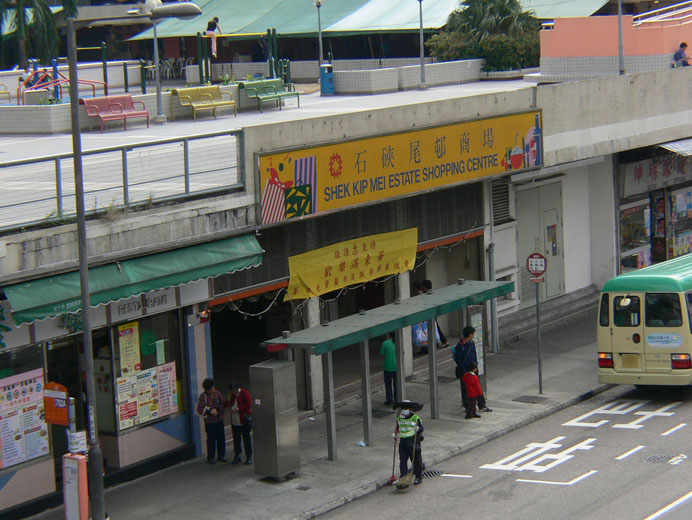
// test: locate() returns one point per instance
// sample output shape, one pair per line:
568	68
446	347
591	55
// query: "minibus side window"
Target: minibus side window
604	317
663	310
627	315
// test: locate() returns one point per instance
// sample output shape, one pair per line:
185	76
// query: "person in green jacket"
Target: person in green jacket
388	350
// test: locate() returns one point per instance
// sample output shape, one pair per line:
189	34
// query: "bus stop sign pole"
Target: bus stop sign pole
536	265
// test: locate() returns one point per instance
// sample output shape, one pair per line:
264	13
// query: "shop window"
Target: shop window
663	310
604	316
23	430
681	221
627	311
635	235
147	359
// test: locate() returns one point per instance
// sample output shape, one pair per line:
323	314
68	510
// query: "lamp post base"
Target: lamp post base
159	119
422	86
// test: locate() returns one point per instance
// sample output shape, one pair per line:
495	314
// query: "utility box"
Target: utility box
327	80
275	415
36	97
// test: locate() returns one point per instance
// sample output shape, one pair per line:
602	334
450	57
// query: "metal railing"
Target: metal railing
677	14
40	191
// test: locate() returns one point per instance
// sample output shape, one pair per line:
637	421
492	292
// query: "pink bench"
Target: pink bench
114	108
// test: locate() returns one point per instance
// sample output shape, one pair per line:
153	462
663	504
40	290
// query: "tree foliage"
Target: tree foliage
497	30
35	33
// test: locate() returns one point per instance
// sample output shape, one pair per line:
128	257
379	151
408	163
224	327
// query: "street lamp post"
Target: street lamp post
422	48
95	462
160	117
318	4
621	45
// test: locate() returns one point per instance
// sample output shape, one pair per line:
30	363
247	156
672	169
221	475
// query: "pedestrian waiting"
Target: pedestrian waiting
474	392
388	350
240	403
210	406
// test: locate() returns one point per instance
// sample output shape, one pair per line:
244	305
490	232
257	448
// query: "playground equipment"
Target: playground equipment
42	79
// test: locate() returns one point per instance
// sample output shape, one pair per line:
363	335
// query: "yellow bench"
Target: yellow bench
204	98
5	92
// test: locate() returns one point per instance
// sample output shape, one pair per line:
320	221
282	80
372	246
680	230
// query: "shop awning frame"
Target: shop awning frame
681	146
61	293
360	328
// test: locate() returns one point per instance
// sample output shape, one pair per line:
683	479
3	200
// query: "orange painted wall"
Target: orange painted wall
598	36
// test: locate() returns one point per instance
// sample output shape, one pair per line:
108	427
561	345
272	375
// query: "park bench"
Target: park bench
204	98
4	92
114	108
269	90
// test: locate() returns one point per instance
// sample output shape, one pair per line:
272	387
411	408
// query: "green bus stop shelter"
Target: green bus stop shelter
394	317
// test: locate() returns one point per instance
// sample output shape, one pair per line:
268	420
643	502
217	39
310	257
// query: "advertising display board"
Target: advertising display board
312	180
146	395
23	429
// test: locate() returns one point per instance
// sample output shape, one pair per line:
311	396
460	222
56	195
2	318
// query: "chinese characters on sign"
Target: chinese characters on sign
128	339
313	180
351	262
146	395
23	430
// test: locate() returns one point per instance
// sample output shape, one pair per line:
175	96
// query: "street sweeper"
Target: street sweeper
409	431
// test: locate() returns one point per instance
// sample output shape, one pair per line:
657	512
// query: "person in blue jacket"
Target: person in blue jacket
464	354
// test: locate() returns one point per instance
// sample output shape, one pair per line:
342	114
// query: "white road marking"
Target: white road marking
672	505
571	482
674	429
678	459
617	407
628	453
456	476
645	416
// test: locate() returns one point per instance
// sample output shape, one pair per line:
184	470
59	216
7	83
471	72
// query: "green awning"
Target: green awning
246	20
60	294
388	318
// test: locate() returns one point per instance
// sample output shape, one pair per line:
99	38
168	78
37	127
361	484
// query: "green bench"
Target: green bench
204	98
269	90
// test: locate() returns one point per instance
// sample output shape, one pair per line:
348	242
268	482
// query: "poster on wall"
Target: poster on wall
168	398
128	341
126	390
23	430
147	396
476	321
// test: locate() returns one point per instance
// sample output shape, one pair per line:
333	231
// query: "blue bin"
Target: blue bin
327	80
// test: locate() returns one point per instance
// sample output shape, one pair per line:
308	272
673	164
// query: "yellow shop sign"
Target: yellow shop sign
351	262
310	181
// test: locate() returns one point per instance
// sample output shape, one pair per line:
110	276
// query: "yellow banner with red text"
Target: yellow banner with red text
309	181
351	262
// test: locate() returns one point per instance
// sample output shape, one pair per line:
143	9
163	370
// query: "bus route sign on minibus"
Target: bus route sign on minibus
536	264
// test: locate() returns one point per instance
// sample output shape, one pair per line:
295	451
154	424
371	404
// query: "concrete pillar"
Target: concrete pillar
315	380
403	290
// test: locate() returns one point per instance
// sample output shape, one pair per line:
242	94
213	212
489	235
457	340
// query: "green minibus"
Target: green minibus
645	326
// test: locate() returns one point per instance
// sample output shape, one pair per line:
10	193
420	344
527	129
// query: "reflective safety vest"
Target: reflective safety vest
407	426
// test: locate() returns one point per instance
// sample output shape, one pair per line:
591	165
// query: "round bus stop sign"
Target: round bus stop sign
536	264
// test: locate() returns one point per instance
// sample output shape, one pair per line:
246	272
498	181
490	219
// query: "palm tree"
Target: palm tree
40	26
480	19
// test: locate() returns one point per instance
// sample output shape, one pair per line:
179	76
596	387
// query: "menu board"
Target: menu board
23	430
128	341
168	397
146	395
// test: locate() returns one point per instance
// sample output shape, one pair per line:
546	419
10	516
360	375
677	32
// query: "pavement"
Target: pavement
196	490
312	104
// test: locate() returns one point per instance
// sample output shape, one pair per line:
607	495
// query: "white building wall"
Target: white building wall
602	199
576	222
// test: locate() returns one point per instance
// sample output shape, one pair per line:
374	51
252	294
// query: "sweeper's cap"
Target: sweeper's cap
408	405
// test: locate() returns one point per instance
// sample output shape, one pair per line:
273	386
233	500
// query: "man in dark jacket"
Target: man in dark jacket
464	354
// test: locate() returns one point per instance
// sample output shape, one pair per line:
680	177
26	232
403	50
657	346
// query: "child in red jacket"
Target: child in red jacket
474	391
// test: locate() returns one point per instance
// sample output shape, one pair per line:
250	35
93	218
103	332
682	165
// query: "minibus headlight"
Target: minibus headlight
681	361
605	360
